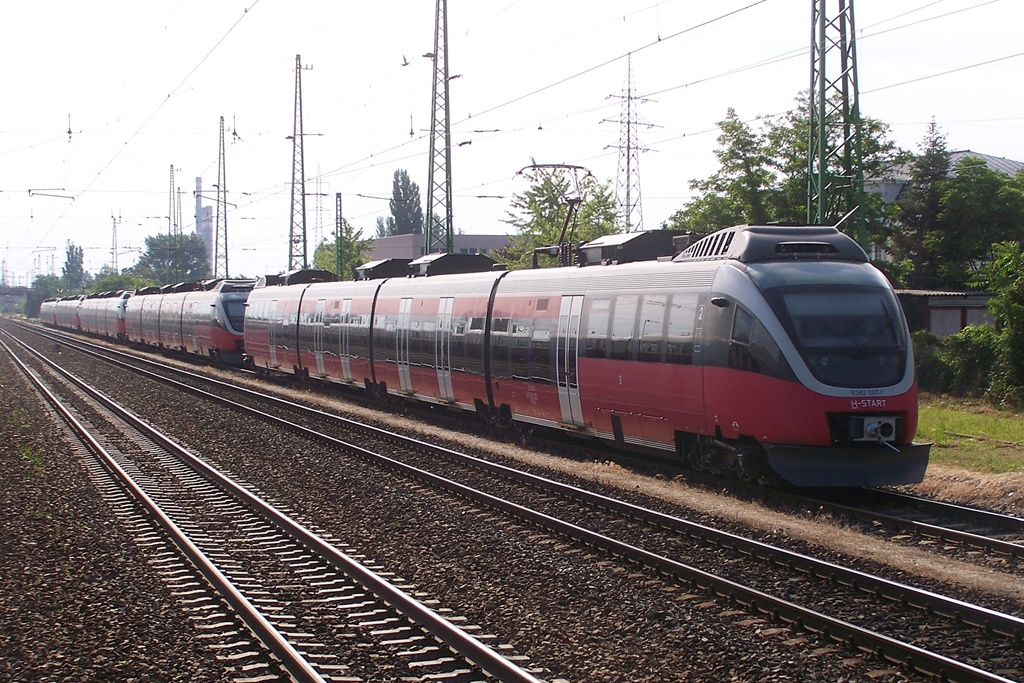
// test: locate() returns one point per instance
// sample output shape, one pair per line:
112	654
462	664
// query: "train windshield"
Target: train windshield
236	313
844	321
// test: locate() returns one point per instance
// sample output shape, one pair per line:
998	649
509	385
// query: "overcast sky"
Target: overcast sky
101	98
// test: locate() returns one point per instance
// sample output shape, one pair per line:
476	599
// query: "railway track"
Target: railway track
945	526
310	606
771	579
945	523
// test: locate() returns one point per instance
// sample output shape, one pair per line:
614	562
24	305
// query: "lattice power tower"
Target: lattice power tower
220	229
627	180
297	236
835	173
439	181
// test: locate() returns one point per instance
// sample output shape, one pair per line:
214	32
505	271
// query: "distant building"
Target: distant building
204	220
413	246
944	313
892	188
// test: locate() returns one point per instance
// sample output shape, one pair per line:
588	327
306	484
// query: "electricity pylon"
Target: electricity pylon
439	179
173	210
297	236
627	180
220	237
835	171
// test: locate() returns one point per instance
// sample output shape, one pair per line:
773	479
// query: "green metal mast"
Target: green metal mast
835	171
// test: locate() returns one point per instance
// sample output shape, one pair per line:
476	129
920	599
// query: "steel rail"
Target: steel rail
865	640
942	533
473	649
291	660
955	610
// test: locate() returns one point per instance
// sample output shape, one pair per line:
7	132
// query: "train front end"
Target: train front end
838	406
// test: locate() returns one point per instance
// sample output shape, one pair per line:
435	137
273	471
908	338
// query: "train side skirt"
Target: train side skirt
834	466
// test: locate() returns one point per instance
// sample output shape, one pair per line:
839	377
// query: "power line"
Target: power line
944	73
160	106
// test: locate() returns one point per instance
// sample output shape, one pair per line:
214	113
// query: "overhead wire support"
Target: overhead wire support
835	169
173	221
339	226
113	246
439	233
220	234
297	258
627	179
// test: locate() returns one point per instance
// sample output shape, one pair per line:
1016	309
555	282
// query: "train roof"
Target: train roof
750	243
297	277
449	264
627	247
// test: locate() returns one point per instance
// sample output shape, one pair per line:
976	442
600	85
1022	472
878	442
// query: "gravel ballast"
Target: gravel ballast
580	615
78	600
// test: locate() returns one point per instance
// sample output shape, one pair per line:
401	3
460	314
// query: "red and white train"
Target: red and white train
770	351
766	350
203	319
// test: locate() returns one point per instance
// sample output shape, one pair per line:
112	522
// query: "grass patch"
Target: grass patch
971	434
34	456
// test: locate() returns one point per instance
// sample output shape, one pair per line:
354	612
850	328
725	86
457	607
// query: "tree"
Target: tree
352	247
742	190
406	212
108	281
762	174
73	275
538	214
978	208
171	258
786	143
43	287
919	211
1002	275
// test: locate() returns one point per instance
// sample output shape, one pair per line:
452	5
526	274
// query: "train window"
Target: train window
742	326
415	348
597	328
651	327
476	324
759	353
500	325
519	361
540	356
236	313
624	326
358	335
475	352
679	329
499	358
542	304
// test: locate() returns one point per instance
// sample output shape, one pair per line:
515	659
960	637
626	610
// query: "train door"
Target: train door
443	335
402	341
272	329
344	350
566	357
318	337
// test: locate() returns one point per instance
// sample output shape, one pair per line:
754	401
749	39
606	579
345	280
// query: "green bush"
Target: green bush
932	372
972	356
